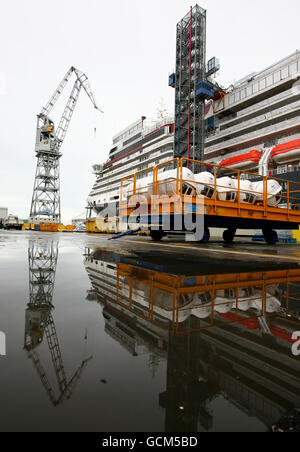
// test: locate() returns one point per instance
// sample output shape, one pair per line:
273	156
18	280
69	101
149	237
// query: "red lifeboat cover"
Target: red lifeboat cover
286	147
252	156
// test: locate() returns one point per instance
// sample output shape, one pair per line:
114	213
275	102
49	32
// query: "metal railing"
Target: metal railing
214	300
283	202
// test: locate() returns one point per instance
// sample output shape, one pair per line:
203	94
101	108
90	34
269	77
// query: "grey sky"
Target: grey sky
127	49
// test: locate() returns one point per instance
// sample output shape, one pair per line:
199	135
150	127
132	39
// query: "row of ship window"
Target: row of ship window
139	176
264	83
162	151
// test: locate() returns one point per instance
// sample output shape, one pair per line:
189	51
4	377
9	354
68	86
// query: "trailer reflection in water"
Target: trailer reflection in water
225	337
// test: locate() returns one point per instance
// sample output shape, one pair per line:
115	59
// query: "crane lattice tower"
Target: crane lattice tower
45	204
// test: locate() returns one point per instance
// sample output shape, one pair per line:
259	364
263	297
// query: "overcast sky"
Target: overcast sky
127	49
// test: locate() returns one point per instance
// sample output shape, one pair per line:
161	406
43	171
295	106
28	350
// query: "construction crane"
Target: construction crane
39	320
45	204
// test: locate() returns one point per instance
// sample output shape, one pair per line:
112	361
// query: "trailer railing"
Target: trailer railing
285	203
159	298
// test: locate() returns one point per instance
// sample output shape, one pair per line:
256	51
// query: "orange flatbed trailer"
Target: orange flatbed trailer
160	213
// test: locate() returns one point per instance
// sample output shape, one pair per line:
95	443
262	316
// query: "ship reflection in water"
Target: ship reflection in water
226	337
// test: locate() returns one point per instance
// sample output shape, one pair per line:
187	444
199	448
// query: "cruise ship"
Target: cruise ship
254	125
141	145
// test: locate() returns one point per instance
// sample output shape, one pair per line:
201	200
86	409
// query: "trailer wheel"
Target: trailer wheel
157	235
270	236
228	235
206	236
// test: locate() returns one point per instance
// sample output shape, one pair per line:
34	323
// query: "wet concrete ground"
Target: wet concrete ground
241	249
76	359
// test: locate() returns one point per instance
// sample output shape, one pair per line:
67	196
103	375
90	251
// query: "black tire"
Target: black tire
270	236
157	235
228	235
206	236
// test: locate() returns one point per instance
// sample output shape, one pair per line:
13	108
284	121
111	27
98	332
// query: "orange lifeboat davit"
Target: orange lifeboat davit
286	152
243	161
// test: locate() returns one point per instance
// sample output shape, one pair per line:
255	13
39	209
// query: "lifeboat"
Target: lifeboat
286	152
247	194
163	305
243	161
226	299
143	189
272	304
202	305
274	192
167	183
226	189
205	184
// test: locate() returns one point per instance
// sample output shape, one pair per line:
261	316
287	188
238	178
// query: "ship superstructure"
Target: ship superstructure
253	125
257	113
141	145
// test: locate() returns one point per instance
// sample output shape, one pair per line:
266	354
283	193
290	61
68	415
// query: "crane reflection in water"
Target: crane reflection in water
39	320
